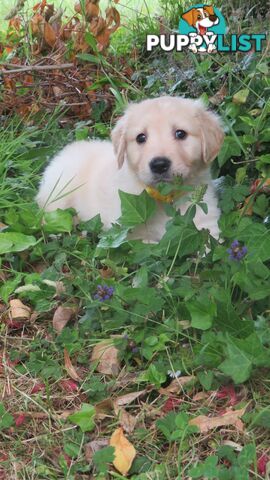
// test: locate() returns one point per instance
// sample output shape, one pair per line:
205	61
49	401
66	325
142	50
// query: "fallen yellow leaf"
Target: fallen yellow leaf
231	417
124	451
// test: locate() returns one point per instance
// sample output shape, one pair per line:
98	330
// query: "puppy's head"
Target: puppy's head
201	18
165	137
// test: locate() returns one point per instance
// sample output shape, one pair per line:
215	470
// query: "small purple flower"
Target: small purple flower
237	252
104	292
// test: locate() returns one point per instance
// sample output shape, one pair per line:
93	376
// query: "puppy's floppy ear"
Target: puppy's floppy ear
212	134
118	136
189	17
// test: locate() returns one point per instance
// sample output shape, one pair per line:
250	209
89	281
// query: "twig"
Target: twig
38	68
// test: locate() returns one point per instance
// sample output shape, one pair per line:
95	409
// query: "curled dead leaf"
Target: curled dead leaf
61	317
124	451
91	11
126	420
129	398
106	355
19	311
69	367
176	386
49	34
231	417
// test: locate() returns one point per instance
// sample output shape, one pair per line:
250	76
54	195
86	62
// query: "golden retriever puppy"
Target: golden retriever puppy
154	141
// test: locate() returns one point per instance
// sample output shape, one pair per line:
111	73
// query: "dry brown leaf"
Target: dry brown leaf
220	95
19	311
200	396
176	386
104	408
124	451
106	355
61	317
106	272
91	11
113	16
127	421
49	34
93	447
69	367
231	417
128	398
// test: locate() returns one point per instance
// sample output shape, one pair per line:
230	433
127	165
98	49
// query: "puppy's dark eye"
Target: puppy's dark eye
141	138
180	134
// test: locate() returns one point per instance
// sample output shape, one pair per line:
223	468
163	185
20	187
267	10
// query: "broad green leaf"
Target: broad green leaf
238	366
15	242
6	420
84	418
202	311
242	355
58	221
262	418
102	458
207	469
113	238
241	96
230	148
136	209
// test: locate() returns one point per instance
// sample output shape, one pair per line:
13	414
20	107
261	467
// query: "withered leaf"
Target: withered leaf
19	311
69	367
176	386
61	317
129	398
106	355
231	417
126	420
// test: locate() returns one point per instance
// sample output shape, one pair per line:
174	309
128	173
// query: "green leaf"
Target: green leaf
262	418
58	221
136	209
155	376
84	418
230	148
207	469
8	287
167	425
6	420
242	355
241	96
15	242
202	311
113	238
102	458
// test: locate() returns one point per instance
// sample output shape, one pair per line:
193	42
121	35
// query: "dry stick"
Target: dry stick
38	68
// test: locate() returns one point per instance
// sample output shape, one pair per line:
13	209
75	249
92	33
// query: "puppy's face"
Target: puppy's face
165	137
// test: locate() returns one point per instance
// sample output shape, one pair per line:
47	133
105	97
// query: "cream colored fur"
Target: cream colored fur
87	175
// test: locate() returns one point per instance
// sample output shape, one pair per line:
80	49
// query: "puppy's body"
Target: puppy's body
86	175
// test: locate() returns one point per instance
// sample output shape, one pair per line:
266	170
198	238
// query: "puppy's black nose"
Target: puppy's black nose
160	165
213	18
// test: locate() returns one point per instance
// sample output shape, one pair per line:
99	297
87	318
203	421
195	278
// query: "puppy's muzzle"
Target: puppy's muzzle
160	165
